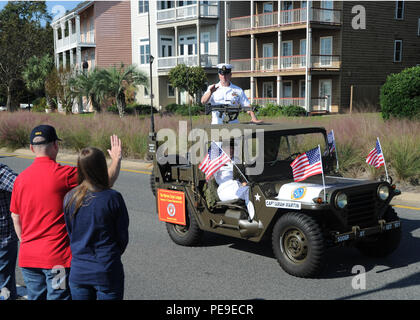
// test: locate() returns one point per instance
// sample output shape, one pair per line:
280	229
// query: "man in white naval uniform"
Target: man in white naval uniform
225	92
230	189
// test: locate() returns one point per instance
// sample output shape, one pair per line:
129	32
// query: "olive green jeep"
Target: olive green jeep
302	219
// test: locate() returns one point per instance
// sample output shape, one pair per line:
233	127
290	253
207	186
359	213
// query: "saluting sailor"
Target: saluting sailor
225	92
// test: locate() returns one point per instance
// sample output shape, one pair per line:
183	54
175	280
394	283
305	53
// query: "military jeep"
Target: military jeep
302	219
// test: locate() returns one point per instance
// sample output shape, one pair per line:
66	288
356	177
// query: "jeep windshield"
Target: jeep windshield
280	149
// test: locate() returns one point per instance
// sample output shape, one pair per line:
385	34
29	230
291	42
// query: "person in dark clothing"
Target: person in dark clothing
97	223
8	238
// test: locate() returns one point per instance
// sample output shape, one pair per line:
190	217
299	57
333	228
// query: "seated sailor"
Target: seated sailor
230	189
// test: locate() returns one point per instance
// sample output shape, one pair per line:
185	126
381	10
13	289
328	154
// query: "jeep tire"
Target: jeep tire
383	244
298	244
188	235
153	184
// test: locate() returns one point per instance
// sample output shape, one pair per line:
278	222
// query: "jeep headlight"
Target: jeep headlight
341	200
383	192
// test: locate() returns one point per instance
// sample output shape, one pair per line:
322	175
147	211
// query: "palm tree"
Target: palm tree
90	85
117	80
36	74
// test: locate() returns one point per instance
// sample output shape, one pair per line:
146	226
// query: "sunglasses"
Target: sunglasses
224	72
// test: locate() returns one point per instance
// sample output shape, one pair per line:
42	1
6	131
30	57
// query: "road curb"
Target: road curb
130	165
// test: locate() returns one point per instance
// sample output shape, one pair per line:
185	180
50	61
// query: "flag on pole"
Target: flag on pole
307	164
213	161
331	141
375	157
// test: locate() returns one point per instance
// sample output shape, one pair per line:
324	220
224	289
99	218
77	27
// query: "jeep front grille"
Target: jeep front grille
361	207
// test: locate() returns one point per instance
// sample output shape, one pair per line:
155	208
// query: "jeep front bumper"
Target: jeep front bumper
357	233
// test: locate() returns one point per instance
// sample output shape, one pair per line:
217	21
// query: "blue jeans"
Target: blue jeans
8	256
50	284
92	292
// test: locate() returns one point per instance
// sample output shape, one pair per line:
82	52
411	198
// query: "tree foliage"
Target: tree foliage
58	86
400	95
118	80
36	73
190	79
21	37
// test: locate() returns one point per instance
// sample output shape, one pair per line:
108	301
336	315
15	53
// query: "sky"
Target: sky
55	8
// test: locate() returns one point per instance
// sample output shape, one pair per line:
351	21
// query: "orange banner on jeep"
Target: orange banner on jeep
171	206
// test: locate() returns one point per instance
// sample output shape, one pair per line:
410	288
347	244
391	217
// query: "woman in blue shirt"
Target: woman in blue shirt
97	223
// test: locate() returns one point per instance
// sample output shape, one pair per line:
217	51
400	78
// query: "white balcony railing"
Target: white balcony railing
266	64
280	101
66	42
187	12
326	61
264	101
287	17
207	61
286	62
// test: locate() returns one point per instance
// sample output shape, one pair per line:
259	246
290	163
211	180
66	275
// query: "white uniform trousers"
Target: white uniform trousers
231	190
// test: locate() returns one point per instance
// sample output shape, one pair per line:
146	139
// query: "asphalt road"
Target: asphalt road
226	268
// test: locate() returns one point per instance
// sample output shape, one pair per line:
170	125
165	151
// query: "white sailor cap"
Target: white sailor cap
224	67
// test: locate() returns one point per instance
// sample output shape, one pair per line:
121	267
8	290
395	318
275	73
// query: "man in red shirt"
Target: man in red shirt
37	213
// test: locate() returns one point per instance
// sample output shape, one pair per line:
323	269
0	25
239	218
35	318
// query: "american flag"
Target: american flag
331	141
375	157
213	161
307	164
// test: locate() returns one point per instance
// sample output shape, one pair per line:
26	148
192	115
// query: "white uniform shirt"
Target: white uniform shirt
227	95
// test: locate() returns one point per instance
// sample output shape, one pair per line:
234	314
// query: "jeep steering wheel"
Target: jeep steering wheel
292	156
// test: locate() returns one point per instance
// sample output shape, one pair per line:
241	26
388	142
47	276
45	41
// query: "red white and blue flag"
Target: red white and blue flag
376	157
331	141
213	161
307	164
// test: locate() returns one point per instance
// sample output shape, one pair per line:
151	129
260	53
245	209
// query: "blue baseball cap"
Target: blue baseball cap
45	131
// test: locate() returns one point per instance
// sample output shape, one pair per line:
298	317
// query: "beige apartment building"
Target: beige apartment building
322	55
181	32
94	34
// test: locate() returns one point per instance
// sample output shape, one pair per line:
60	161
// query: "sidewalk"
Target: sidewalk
408	199
129	165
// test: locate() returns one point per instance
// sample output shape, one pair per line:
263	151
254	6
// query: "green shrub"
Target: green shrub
270	110
293	111
400	95
183	110
40	104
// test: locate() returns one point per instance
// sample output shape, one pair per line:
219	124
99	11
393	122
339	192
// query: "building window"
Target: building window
171	91
399	10
143	6
144	51
398	51
418	28
302	88
146	93
287	89
205	40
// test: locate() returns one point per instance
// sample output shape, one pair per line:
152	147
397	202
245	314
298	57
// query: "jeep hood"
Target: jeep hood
309	189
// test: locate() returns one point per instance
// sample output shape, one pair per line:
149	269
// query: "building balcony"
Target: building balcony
187	12
207	61
281	101
71	41
285	64
289	19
